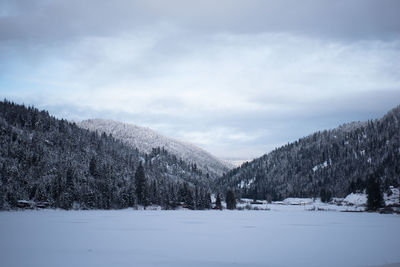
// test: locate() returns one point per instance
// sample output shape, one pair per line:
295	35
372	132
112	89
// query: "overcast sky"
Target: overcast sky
237	78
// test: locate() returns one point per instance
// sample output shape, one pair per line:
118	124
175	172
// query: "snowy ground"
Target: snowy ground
352	202
298	204
198	238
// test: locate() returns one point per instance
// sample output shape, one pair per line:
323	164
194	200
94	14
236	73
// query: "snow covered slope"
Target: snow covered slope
146	139
338	161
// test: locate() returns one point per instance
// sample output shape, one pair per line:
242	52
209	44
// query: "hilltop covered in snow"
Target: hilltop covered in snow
145	139
46	162
331	162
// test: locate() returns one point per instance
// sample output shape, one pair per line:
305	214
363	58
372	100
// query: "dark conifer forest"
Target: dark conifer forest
53	161
326	164
58	164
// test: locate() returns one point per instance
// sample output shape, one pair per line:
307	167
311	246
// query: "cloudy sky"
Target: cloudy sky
237	78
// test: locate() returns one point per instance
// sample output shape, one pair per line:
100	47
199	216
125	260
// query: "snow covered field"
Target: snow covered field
198	238
298	204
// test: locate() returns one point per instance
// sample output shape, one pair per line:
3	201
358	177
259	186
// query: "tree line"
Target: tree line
326	164
45	159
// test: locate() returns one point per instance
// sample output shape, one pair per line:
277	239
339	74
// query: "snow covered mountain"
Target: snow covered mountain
54	163
337	161
145	139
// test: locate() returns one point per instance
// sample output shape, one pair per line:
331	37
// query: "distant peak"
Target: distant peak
145	139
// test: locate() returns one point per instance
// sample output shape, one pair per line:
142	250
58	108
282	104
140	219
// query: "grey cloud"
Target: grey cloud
240	77
55	20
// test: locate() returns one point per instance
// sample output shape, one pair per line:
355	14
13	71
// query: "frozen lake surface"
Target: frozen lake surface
198	238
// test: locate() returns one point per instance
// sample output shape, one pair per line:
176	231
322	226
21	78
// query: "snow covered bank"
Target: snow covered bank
298	204
198	238
355	199
298	201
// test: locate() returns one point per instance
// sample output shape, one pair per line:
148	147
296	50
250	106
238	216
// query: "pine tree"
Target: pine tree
154	198
218	203
325	195
374	193
189	200
207	201
140	182
197	199
68	194
92	166
186	196
230	200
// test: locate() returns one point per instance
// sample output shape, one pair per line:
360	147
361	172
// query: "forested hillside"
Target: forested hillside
44	159
146	139
49	160
328	163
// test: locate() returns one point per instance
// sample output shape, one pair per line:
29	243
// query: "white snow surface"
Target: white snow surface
298	201
145	139
237	162
246	184
49	238
360	199
355	199
393	199
320	166
299	204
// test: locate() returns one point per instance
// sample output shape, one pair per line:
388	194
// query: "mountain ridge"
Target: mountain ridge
52	161
145	139
337	161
